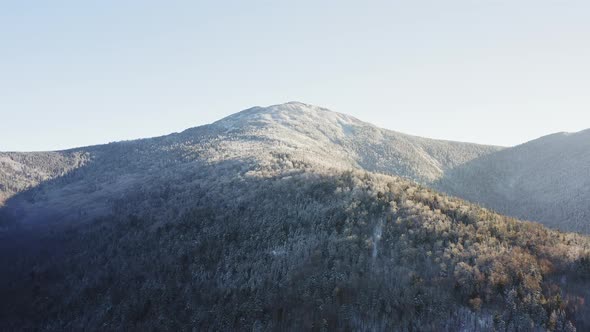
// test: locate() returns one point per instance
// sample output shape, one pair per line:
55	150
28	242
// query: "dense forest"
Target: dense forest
20	171
294	248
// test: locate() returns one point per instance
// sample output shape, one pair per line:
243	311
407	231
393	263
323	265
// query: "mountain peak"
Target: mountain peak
289	114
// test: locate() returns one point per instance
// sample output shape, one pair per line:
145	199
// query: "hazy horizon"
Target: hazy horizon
494	72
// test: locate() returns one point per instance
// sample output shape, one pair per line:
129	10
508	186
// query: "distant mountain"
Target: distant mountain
343	141
84	182
545	180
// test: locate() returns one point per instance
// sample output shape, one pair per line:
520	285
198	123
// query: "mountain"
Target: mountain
274	218
82	183
545	180
342	140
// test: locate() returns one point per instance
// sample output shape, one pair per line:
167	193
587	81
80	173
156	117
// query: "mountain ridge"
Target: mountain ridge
319	137
545	180
309	132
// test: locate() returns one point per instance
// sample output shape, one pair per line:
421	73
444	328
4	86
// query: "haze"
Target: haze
495	72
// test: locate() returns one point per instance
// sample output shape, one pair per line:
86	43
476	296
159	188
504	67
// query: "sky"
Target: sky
77	73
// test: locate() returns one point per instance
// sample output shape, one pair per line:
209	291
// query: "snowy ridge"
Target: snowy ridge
261	137
345	140
531	181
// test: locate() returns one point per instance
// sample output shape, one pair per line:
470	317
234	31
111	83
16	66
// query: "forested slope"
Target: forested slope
293	248
21	171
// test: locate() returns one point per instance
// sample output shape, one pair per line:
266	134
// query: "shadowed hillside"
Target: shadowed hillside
20	171
300	249
546	180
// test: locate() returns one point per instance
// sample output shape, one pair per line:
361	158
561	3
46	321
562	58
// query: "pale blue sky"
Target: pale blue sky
76	73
